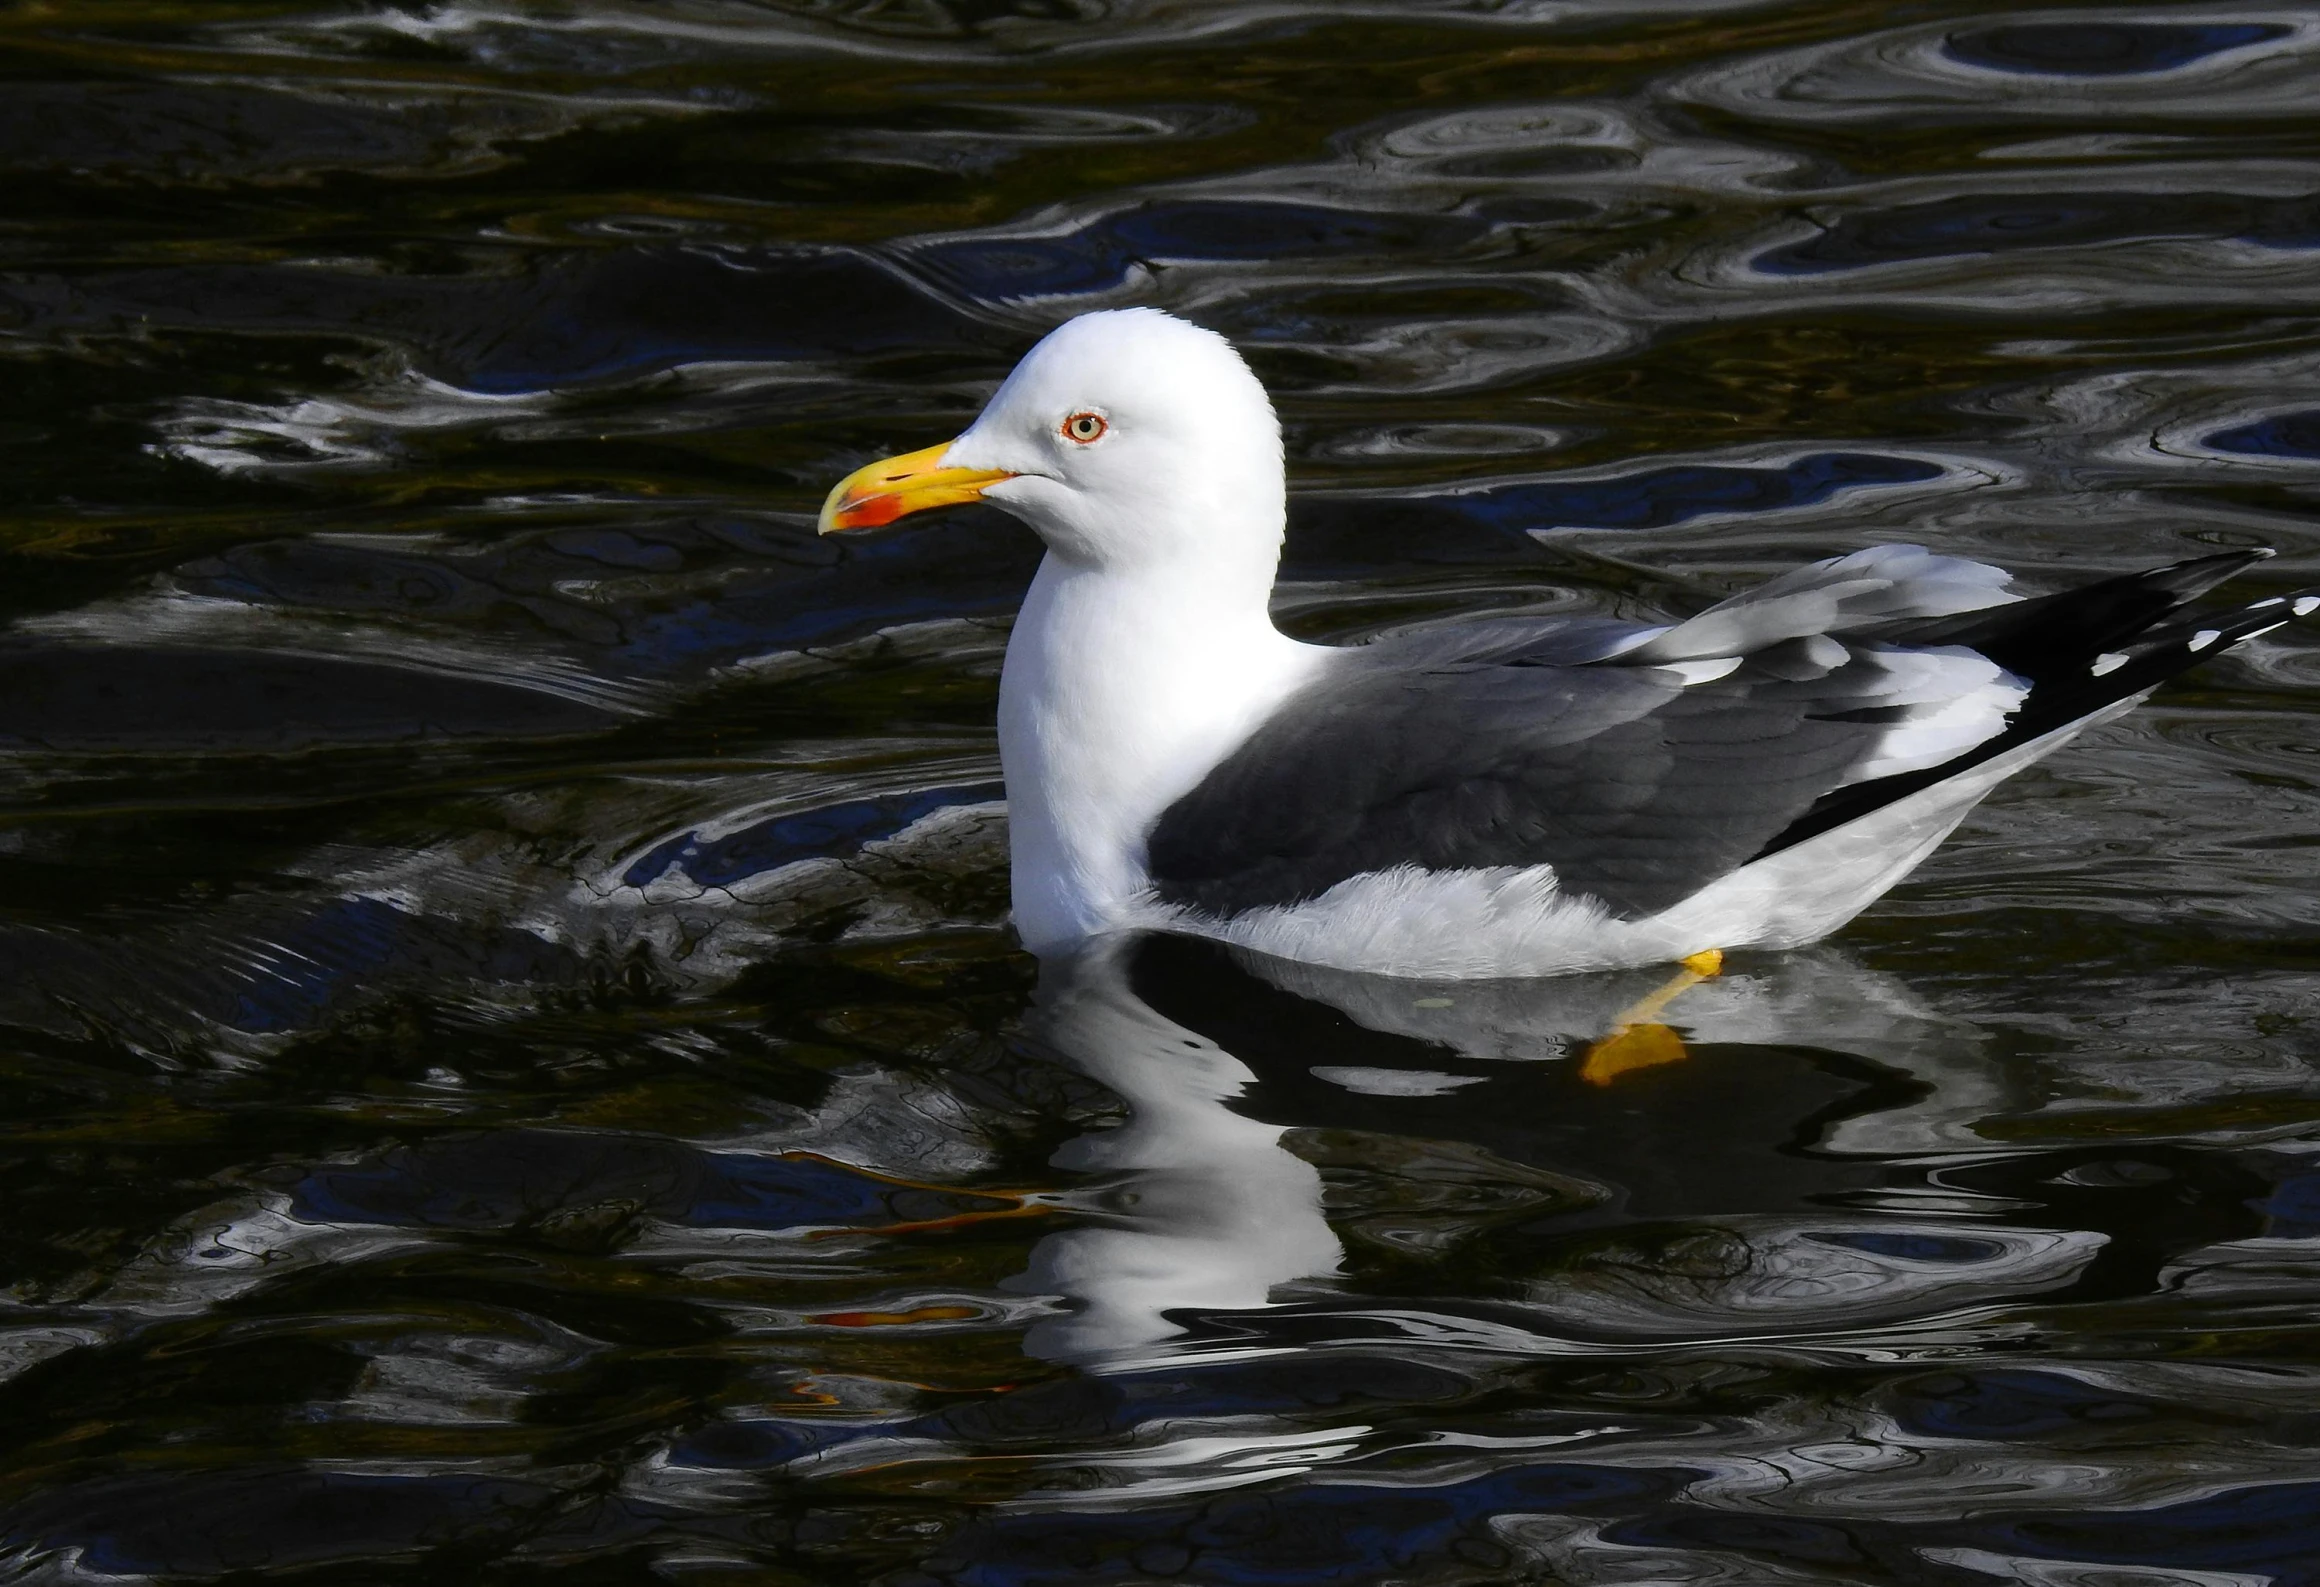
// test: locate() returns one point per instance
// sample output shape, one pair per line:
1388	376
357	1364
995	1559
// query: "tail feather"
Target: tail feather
2083	651
1890	585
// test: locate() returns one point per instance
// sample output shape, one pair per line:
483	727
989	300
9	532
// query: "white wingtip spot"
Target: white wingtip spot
2109	661
1707	671
2269	600
2306	605
2205	637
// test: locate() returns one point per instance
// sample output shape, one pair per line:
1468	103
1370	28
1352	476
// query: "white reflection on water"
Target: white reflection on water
1204	1208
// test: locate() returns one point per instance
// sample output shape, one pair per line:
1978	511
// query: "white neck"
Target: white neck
1121	691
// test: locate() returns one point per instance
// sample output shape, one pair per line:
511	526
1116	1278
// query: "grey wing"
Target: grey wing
1641	764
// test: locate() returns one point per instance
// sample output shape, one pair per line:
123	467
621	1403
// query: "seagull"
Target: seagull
1492	797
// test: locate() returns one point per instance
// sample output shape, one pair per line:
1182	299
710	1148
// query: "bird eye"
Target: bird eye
1084	427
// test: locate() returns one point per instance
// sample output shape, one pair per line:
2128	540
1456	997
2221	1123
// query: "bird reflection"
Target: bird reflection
1611	1098
1204	1207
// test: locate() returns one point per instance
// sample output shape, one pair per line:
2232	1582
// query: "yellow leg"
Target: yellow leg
1637	1039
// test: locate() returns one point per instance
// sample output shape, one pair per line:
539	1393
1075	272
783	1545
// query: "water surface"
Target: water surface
511	1064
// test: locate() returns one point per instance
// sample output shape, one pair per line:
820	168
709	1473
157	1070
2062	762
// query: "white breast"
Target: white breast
1119	695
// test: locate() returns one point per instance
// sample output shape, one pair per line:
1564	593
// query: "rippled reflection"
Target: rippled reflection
1201	1208
1540	1102
1247	1262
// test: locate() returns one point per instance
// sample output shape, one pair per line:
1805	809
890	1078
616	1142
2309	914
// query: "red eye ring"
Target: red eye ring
1085	428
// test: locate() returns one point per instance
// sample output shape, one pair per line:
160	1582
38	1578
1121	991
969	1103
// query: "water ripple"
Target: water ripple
512	1058
2061	65
624	38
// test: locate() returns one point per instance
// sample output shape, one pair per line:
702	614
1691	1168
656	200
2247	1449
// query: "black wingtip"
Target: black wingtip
2053	635
2198	575
2083	651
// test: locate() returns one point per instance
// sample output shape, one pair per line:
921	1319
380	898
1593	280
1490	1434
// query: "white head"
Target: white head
1126	439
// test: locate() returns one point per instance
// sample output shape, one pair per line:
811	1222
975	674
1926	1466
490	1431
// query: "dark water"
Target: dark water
511	1066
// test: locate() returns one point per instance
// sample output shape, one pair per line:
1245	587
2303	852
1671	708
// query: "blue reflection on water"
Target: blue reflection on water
1655	498
1329	1531
835	829
2104	47
2274	1529
2292	1210
2008	1403
2286	435
1998	223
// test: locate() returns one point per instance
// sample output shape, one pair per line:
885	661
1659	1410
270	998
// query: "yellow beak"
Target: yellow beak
871	497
